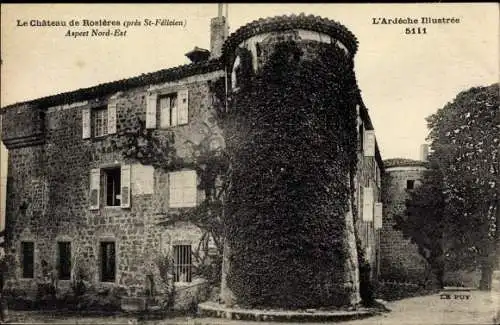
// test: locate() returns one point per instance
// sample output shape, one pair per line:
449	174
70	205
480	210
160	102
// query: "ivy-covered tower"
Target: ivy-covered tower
292	138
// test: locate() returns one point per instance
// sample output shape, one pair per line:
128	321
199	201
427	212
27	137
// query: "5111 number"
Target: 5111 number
414	31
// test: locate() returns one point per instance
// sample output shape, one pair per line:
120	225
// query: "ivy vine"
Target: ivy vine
292	143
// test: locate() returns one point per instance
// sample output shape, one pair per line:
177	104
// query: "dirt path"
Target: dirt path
477	309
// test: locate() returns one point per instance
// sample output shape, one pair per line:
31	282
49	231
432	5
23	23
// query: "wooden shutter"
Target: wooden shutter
182	107
112	118
190	190
378	216
369	143
125	186
367	204
95	179
86	123
151	111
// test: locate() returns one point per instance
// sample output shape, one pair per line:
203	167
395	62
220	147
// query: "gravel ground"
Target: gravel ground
479	308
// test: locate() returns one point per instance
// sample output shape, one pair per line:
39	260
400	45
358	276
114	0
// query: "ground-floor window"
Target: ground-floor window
28	259
182	263
108	261
64	260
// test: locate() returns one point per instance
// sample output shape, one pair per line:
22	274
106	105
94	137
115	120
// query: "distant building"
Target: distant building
400	259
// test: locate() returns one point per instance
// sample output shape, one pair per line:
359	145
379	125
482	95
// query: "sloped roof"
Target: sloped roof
104	89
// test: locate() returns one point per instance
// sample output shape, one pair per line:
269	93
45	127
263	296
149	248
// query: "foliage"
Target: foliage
292	142
426	221
454	215
392	290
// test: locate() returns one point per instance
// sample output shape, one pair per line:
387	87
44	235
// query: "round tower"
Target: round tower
290	236
400	259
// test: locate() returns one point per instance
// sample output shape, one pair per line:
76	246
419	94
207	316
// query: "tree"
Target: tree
464	137
425	222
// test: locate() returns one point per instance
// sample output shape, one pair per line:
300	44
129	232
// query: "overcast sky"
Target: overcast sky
403	78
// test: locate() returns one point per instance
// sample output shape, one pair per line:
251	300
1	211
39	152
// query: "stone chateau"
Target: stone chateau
75	203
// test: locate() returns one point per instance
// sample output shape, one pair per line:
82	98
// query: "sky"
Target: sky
403	78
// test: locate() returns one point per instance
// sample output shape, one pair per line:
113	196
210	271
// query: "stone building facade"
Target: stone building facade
74	202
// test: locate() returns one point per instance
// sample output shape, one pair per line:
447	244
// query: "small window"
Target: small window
64	260
28	259
182	263
410	184
108	261
99	122
112	186
182	189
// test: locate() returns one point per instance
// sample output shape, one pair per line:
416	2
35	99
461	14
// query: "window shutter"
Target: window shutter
95	179
378	216
182	107
151	111
369	143
367	204
190	190
112	118
86	123
125	186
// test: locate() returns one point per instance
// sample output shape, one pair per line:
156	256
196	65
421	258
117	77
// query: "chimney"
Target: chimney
219	31
424	152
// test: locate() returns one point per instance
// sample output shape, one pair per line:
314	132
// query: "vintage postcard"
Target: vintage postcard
245	163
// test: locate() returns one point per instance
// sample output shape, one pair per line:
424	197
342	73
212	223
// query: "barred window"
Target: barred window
182	263
99	122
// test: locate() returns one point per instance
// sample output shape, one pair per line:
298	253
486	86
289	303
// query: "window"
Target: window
410	184
168	110
99	122
236	73
112	186
173	109
28	259
182	189
64	260
108	262
182	263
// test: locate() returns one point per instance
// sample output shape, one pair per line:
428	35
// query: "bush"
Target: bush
398	290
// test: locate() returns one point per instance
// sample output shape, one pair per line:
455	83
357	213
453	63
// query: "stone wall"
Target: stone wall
48	185
369	236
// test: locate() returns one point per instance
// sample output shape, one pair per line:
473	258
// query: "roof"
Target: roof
104	89
404	162
280	23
